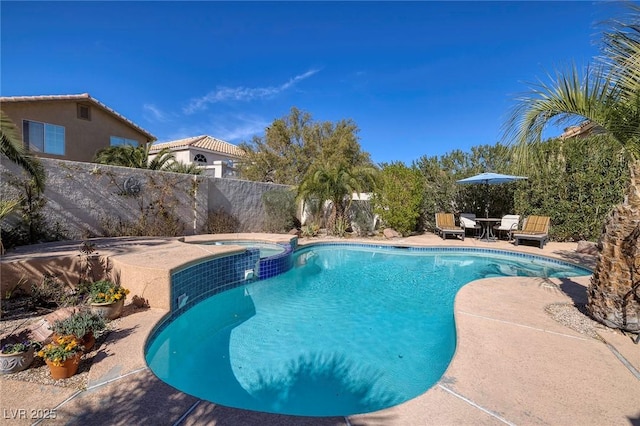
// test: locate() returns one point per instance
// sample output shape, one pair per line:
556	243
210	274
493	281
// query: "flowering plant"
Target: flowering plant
79	324
61	349
18	347
106	292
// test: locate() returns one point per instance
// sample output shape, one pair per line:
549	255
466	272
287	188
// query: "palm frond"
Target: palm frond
8	206
567	97
621	48
180	167
13	149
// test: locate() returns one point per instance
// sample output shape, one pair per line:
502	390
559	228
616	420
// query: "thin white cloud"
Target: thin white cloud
222	93
243	129
153	113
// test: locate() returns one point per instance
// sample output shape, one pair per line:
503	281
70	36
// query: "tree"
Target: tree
292	144
442	193
13	149
336	182
135	157
399	197
608	95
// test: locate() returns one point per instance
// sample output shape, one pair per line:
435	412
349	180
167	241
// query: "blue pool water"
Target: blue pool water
348	330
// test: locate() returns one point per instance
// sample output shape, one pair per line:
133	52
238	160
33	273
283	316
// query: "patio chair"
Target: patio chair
445	225
467	221
534	228
508	224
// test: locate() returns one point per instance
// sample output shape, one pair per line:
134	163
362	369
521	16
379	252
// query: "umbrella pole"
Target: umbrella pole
486	198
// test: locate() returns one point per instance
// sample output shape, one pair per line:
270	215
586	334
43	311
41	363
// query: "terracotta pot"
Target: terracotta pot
88	340
67	369
108	310
12	363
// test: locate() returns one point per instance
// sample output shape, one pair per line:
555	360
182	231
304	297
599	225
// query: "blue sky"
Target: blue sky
418	78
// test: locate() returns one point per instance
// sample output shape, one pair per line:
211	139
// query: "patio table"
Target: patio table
487	228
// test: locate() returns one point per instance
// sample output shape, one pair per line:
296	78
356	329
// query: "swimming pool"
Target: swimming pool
350	329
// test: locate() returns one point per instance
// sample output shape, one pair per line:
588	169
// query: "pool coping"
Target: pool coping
486	383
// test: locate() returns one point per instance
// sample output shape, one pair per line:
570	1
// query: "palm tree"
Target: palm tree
180	167
135	157
608	95
14	150
336	183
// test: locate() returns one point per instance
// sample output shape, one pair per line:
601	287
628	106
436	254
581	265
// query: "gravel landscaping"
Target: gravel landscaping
38	372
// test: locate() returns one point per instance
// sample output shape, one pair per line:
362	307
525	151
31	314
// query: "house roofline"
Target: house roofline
196	142
79	97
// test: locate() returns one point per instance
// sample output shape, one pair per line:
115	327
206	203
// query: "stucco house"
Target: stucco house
217	157
583	130
70	127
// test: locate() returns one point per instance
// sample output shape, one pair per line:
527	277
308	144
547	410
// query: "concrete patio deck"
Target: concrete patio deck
513	365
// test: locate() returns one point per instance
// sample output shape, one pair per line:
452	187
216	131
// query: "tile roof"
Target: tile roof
81	97
586	128
204	142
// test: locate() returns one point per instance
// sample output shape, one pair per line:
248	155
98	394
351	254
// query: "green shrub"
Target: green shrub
576	182
398	199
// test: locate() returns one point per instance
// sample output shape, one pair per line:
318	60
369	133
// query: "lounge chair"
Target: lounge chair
445	225
467	221
508	224
534	228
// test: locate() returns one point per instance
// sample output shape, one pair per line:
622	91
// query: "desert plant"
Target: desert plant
79	324
221	222
310	230
341	227
52	291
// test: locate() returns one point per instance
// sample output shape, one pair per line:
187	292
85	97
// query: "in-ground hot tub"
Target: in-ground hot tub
275	251
266	249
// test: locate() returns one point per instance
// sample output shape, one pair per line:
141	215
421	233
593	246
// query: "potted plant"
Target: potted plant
107	298
16	356
84	325
62	356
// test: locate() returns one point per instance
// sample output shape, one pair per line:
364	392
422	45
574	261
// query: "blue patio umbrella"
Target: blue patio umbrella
489	179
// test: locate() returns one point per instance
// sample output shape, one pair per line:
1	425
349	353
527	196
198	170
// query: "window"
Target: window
118	141
84	112
43	137
199	158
